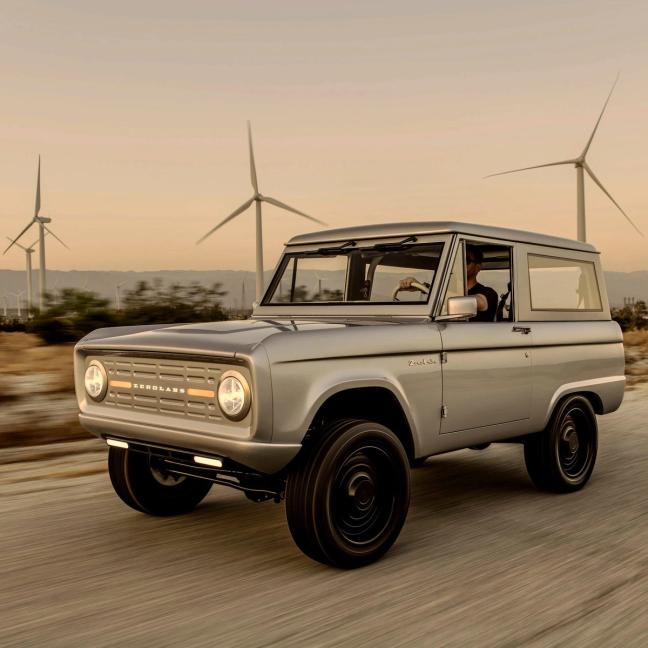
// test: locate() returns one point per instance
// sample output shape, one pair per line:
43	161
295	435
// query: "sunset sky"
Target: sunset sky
362	112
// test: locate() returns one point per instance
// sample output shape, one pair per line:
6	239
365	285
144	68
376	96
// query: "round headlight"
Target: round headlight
234	395
96	382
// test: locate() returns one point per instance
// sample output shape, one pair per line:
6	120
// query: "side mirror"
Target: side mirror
460	308
255	305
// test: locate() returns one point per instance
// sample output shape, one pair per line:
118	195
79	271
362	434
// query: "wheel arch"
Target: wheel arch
603	394
376	403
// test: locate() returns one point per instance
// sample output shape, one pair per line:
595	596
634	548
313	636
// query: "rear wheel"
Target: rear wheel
561	458
145	486
347	502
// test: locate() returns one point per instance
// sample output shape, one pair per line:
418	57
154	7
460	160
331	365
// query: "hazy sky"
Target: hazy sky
362	112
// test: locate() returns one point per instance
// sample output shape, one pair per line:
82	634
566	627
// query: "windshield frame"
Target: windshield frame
355	308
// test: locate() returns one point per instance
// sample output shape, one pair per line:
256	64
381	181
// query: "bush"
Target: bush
157	304
70	314
11	324
632	317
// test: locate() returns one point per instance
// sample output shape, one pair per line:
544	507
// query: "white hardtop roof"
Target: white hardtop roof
387	230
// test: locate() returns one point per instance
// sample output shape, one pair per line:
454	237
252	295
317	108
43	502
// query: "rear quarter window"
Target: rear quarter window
562	284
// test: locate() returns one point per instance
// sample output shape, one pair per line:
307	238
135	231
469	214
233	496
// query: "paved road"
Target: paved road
484	560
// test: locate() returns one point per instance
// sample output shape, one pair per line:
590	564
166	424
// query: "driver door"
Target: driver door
487	365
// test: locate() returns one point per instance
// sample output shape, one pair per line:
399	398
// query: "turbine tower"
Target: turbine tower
581	165
42	230
257	198
28	269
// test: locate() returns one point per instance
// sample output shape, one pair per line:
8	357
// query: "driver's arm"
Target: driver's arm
406	284
482	302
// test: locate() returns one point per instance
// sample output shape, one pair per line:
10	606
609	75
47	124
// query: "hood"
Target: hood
208	338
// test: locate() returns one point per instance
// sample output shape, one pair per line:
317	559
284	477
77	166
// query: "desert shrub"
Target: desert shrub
154	303
70	313
11	324
632	317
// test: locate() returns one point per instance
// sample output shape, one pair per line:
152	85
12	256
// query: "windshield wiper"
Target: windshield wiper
333	250
386	247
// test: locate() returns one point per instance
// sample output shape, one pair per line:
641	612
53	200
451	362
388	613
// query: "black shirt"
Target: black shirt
491	297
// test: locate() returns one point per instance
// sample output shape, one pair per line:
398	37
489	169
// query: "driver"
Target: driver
486	297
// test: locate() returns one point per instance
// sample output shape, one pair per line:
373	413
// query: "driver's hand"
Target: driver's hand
406	284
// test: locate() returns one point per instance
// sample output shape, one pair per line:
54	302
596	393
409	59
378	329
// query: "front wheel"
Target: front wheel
561	458
148	488
346	503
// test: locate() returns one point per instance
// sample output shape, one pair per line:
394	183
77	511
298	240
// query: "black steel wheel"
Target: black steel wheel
346	503
148	488
562	457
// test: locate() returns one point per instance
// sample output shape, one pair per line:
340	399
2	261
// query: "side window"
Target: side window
496	274
563	284
483	270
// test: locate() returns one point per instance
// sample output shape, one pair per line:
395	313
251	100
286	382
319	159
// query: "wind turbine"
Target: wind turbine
319	283
582	166
257	198
118	294
243	300
28	269
18	295
42	229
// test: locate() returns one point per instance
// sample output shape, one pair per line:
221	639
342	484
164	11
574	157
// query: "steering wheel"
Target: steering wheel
415	284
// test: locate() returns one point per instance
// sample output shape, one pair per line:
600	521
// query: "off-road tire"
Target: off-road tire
134	480
561	458
347	500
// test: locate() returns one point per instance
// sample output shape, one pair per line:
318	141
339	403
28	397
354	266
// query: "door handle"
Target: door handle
525	330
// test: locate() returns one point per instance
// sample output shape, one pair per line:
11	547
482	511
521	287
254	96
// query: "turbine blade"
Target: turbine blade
598	121
38	196
277	203
15	241
253	174
537	166
48	230
234	214
607	193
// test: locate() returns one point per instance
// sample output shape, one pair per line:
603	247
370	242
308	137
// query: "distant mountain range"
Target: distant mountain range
239	284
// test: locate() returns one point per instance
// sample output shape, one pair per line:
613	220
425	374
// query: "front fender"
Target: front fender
296	399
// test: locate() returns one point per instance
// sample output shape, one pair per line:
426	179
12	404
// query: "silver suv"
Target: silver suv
372	349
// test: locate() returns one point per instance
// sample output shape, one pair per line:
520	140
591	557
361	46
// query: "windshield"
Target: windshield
356	275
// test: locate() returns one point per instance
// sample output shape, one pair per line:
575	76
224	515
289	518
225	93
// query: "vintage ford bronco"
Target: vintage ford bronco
372	348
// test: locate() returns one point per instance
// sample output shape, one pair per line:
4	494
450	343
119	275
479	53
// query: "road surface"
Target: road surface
483	560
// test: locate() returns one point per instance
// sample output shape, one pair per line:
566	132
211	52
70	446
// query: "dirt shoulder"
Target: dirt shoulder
36	392
636	354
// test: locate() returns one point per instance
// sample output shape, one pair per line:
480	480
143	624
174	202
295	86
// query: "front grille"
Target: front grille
169	387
